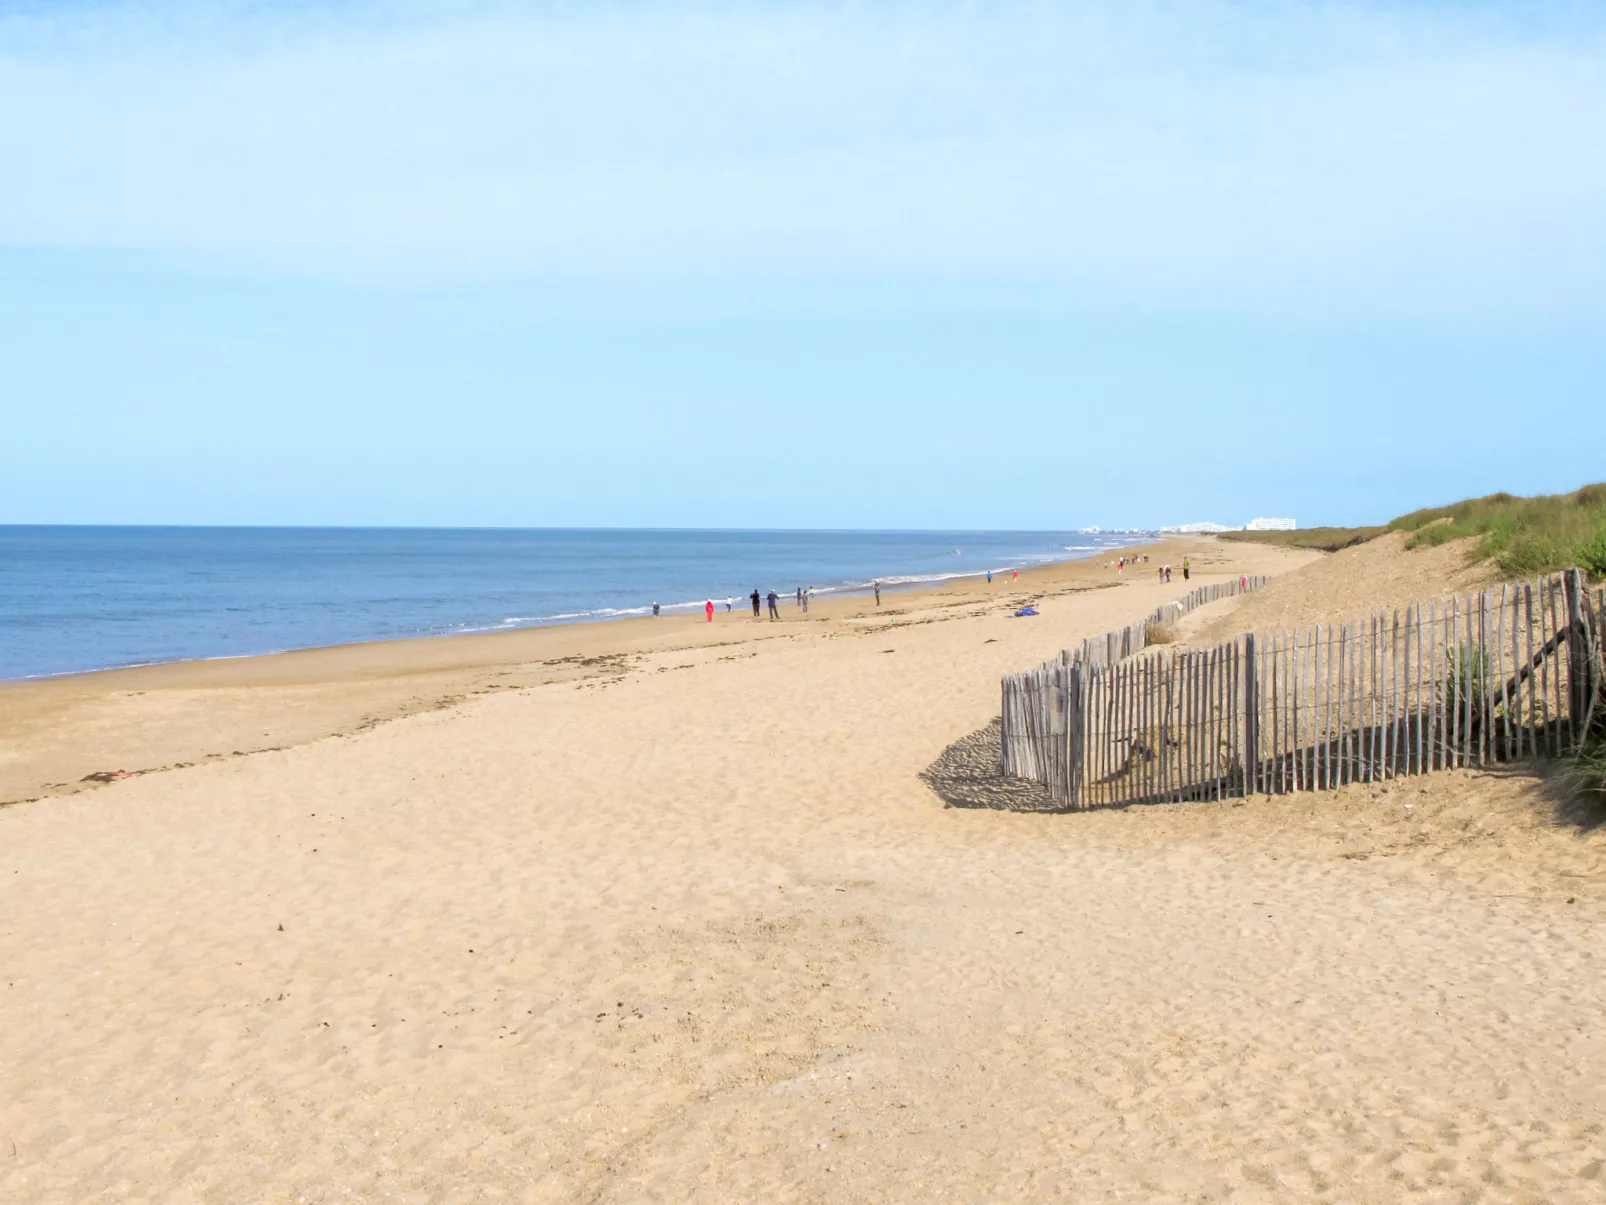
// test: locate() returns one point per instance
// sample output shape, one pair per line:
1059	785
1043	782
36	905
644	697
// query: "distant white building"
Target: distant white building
1197	528
1271	525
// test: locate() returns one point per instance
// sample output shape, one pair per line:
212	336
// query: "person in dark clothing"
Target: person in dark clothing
775	612
878	594
754	597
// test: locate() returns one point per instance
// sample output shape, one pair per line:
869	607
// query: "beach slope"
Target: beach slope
670	913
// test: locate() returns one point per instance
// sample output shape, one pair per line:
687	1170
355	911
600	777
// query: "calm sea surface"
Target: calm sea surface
83	598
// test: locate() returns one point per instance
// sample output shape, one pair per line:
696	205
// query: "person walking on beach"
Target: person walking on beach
799	603
877	586
754	596
708	609
1014	575
1185	569
655	610
807	590
775	612
989	577
728	601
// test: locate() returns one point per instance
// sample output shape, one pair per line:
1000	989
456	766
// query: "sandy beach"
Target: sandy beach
662	910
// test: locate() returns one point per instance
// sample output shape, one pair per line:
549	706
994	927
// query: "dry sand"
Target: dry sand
1378	576
686	923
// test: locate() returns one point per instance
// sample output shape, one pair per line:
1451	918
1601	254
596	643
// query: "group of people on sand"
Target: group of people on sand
1120	565
801	598
804	593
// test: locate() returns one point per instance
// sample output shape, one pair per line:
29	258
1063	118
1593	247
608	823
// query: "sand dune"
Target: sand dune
686	924
1380	575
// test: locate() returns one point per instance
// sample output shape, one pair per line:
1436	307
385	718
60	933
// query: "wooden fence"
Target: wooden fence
1034	723
1489	677
1124	642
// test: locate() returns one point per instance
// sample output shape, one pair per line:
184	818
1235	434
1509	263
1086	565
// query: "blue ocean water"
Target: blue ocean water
86	598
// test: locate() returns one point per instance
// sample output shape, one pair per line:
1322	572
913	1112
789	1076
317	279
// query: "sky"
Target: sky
930	265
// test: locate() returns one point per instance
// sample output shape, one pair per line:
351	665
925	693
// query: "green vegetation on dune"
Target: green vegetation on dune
1524	535
1586	769
1325	539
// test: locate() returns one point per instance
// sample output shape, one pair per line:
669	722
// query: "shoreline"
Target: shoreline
890	585
60	731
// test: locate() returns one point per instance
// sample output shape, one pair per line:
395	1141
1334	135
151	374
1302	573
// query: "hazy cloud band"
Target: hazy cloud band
1249	153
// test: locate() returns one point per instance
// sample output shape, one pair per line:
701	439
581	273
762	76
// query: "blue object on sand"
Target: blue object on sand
1025	611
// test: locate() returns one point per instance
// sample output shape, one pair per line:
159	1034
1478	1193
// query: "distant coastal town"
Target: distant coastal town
1209	528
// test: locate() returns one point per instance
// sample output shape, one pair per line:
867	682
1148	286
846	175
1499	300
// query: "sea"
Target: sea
74	599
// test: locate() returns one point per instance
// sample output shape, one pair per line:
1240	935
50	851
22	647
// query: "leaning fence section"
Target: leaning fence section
1037	728
1477	679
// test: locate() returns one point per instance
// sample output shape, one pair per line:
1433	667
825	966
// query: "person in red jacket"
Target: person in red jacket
708	607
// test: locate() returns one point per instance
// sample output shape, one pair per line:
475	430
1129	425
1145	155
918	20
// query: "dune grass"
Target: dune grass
1324	539
1162	633
1523	535
1588	770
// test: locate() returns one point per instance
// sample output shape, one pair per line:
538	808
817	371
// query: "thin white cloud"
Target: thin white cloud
1196	148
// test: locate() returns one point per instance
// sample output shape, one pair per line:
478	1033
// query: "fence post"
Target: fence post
1003	726
1577	654
1583	679
1075	736
1251	716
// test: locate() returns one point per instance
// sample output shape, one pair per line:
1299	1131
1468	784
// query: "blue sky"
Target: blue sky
822	265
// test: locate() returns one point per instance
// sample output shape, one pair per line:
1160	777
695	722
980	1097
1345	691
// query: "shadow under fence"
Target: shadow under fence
967	775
